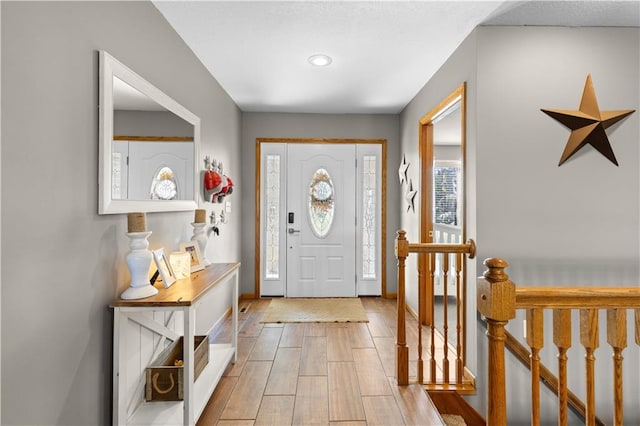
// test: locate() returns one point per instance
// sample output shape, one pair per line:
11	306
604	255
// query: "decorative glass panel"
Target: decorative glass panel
273	215
321	202
116	175
369	217
164	186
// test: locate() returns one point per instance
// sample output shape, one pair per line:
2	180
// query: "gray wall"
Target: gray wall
150	123
267	125
571	225
576	224
446	152
587	208
62	264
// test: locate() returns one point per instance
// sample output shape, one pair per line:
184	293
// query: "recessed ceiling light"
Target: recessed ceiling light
320	60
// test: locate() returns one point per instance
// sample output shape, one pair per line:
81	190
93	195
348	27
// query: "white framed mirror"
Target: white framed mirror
148	145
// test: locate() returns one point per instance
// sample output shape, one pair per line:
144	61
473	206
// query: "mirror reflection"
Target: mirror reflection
148	145
148	140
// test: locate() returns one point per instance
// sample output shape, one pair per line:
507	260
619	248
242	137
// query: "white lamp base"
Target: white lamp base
139	292
139	260
200	236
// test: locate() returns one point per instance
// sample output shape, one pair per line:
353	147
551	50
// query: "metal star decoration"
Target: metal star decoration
588	124
402	171
409	196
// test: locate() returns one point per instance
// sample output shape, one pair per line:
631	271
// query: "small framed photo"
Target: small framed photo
164	267
197	261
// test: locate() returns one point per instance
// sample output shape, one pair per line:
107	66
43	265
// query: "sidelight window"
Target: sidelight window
369	219
272	233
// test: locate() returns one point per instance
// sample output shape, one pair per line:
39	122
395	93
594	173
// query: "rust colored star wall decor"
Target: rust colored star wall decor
588	124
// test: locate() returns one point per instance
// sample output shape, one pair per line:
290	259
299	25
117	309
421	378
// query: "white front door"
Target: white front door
321	220
146	159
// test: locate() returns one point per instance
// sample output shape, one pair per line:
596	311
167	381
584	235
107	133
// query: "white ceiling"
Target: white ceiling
383	51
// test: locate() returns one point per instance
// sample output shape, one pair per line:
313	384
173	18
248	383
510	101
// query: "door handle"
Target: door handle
293	231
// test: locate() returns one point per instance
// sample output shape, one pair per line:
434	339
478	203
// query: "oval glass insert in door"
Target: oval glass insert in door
321	205
164	185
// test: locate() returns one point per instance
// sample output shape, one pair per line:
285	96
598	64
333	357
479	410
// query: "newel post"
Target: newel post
496	300
402	351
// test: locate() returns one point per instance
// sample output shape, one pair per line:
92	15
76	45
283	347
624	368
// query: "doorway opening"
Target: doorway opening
443	204
320	217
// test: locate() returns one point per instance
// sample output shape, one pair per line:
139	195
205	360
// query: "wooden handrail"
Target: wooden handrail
468	248
402	250
577	297
498	299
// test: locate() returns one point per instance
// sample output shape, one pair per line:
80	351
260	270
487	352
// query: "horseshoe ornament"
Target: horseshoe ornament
154	381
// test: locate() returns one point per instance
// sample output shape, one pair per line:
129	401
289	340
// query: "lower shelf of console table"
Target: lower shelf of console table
142	328
171	412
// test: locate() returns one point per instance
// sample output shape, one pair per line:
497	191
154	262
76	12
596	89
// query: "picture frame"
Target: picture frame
164	267
197	261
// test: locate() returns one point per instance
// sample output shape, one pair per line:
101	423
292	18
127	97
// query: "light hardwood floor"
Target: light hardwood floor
316	374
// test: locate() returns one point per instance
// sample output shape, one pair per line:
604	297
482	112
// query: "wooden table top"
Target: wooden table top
183	292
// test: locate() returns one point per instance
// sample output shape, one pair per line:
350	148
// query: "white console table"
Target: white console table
142	329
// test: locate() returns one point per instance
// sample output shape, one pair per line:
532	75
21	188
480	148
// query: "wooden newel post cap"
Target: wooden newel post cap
495	269
496	294
401	245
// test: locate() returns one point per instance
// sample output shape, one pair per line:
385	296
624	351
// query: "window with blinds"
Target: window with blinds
446	192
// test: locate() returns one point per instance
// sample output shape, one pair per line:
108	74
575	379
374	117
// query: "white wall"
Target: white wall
346	126
62	264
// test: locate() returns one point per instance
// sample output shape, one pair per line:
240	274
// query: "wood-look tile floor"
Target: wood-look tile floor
316	374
